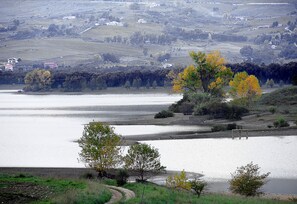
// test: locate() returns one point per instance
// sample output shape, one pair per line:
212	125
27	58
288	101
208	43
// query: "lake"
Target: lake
40	130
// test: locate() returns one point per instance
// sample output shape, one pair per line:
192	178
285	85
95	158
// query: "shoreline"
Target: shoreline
275	188
292	132
109	91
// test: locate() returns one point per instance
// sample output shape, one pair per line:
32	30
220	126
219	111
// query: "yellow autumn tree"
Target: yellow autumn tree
245	87
209	74
179	181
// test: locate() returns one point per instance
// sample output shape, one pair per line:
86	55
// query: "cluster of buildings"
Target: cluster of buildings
13	64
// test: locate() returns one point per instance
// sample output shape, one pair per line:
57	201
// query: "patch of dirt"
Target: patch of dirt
22	192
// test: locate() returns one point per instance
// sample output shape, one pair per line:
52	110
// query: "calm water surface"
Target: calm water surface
39	130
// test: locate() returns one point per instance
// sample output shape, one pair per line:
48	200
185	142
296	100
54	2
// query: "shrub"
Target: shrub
122	177
179	181
280	123
272	110
164	114
229	126
247	180
198	186
186	108
176	106
221	110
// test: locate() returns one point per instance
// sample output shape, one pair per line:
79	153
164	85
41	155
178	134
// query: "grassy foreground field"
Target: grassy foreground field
149	193
20	188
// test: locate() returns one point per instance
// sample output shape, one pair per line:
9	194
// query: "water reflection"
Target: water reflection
217	158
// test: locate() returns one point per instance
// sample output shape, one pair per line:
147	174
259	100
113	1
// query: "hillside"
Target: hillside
159	33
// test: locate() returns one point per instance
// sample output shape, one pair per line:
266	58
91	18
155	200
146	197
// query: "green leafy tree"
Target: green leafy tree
100	147
247	180
38	80
198	186
144	159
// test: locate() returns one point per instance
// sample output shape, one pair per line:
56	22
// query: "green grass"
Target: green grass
54	190
55	184
154	194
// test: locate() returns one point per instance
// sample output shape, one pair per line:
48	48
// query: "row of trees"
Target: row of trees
79	81
209	75
286	73
246	180
101	150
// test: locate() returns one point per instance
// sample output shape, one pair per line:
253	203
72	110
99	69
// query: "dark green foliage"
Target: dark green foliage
222	110
198	186
75	82
247	180
122	177
144	159
97	83
280	123
164	114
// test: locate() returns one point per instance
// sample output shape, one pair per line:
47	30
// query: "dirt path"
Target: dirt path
119	193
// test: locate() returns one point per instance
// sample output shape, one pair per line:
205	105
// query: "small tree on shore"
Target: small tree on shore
179	181
100	147
144	159
198	186
247	180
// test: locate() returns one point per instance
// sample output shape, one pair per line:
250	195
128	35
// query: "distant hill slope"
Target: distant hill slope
285	96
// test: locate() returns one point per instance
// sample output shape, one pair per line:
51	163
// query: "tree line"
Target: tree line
78	81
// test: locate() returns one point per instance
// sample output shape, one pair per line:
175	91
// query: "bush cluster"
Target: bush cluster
280	123
221	110
164	114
